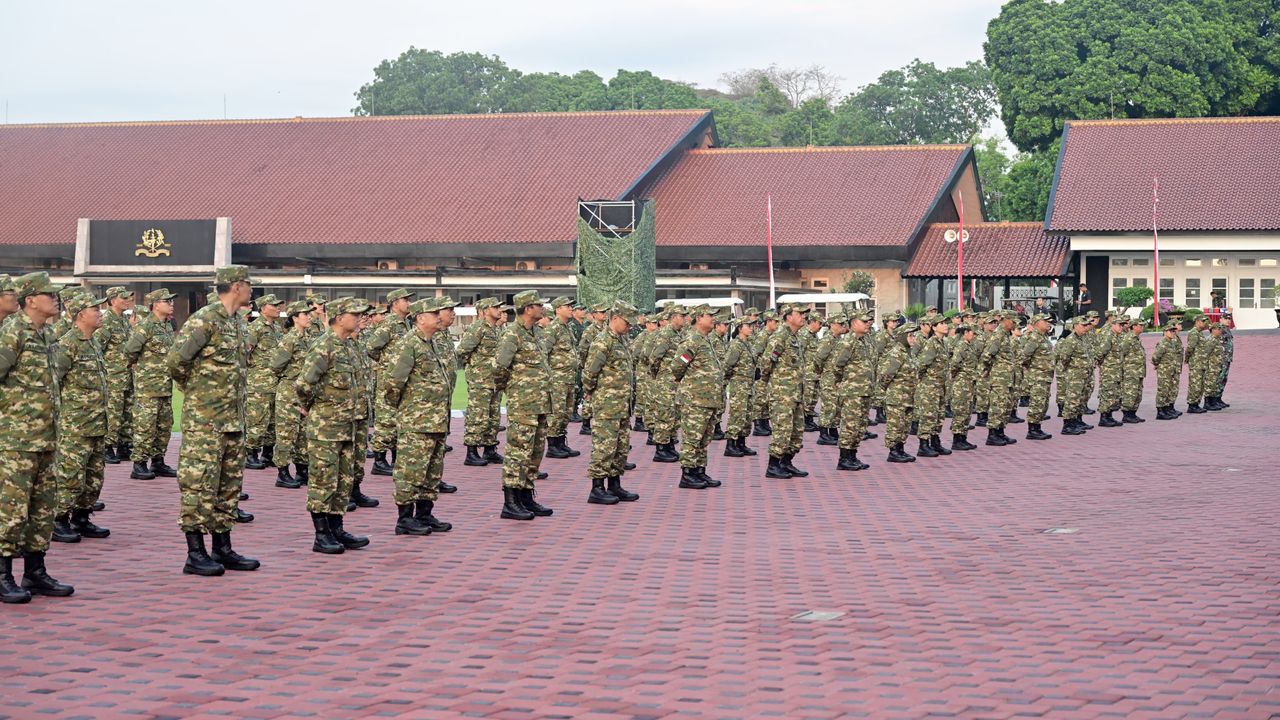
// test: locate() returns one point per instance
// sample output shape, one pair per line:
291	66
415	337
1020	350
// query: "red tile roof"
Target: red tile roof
994	250
458	178
1215	174
821	195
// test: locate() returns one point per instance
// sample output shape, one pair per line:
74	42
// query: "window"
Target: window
1141	262
1166	262
820	283
1220	287
1193	262
1116	284
1267	293
1166	289
1193	292
1267	262
1140	282
1219	262
1248	262
1246	293
1119	262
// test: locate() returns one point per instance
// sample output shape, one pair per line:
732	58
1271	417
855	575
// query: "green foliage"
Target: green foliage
1081	59
919	103
1026	195
1133	297
952	312
914	311
860	281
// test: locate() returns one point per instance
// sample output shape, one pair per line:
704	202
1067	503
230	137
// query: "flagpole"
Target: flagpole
960	253
768	239
1155	246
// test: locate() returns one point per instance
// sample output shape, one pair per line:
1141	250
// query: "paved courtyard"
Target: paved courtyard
949	598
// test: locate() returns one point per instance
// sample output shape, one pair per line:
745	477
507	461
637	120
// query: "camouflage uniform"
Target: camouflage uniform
809	345
1035	356
699	370
521	369
418	388
783	365
1195	357
562	356
589	334
264	338
896	375
1228	355
476	352
998	355
643	380
1167	360
606	379
1109	346
824	370
930	392
146	351
854	373
286	363
760	391
380	347
1214	354
81	375
1074	354
740	371
963	367
1133	372
111	337
662	417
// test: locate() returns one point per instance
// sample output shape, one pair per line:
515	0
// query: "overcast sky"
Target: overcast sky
77	60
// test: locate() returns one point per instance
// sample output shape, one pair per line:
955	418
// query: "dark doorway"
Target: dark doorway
1097	270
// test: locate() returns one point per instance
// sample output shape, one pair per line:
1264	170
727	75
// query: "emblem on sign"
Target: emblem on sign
951	236
153	244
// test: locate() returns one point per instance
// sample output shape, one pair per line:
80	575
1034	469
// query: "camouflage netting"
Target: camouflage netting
611	268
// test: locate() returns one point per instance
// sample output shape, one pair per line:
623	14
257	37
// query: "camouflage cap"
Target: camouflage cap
624	310
792	307
1171	326
838	318
1202	318
424	305
930	319
1091	314
751	311
296	307
80	302
1038	317
1216	325
768	315
676	309
344	305
268	299
398	293
561	301
6	283
963	327
228	274
70	291
723	315
600	307
864	317
700	310
160	295
444	302
524	299
906	329
116	291
579	306
813	316
317	300
1080	320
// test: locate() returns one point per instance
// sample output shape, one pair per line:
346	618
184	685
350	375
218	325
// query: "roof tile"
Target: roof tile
994	250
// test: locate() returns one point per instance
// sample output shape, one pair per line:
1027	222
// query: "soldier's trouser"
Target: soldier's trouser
610	443
1109	393
28	501
1130	393
854	425
586	407
828	405
1075	399
811	390
1167	386
384	423
152	424
332	475
291	442
787	419
1038	405
897	424
662	416
928	411
1195	383
526	441
419	466
78	467
961	404
210	475
119	407
480	426
981	393
760	398
361	449
640	396
259	418
1087	390
1222	379
1212	376
561	407
999	403
738	423
697	424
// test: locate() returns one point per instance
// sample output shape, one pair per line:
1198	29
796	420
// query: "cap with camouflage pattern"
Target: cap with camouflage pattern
813	316
297	307
228	274
700	310
344	305
34	283
1038	317
524	299
677	309
838	319
268	299
624	310
1171	326
116	291
317	300
561	301
751	311
907	329
160	295
398	293
792	308
70	291
423	305
723	315
930	319
80	302
444	302
1080	320
1091	314
6	284
768	315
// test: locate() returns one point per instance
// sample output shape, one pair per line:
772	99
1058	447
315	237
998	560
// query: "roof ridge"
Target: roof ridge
1178	121
353	118
995	223
821	149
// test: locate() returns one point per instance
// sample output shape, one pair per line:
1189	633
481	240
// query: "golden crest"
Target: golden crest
153	244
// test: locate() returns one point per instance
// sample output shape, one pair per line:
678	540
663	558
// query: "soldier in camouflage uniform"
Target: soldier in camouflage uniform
260	417
380	347
896	375
8	300
808	336
1228	355
1035	356
209	363
1195	356
1215	360
152	388
562	356
81	376
782	365
962	364
520	368
330	394
740	375
644	381
367	380
1167	360
1133	372
998	354
607	380
111	337
286	363
879	342
982	395
1074	354
698	369
28	407
63	324
449	354
1110	345
854	373
931	384
599	312
579	325
760	392
824	370
419	389
663	416
1095	339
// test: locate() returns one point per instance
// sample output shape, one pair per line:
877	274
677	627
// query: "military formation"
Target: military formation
313	388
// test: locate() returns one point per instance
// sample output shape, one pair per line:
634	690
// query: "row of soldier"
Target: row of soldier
305	382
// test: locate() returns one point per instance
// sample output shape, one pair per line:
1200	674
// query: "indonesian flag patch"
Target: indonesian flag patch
686	358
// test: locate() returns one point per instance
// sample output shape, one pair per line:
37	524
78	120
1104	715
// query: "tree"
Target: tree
797	84
1082	59
1136	296
917	104
809	124
993	174
1026	192
553	92
860	281
643	90
427	82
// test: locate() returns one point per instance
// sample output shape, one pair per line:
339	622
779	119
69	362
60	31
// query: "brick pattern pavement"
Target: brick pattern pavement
1164	604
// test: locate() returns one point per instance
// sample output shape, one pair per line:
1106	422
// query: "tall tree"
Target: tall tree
919	103
1082	59
642	90
426	82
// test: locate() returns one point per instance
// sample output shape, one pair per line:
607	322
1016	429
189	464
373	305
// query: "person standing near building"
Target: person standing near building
808	336
380	347
599	313
520	369
264	336
1075	365
111	337
81	375
286	363
962	364
699	371
644	391
896	375
824	368
931	369
760	393
448	352
1215	354
987	323
419	388
1035	355
1167	360
209	363
607	380
998	354
1228	354
854	374
1195	356
562	357
740	375
476	352
1084	300
146	350
662	405
783	366
1133	372
1111	345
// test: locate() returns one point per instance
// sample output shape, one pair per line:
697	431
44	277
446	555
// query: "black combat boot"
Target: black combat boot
995	437
1083	425
556	448
848	460
639	425
1072	427
243	517
1195	409
614	486
198	560
915	428
628	466
445	488
491	454
10	592
768	426
109	456
731	448
37	581
690	480
269	455
285	480
786	465
981	421
162	469
62	530
252	461
585	428
742	445
1035	433
81	523
880	418
99	506
304	472
227	557
426	516
380	464
926	449
759	429
826	436
140	471
717	433
1013	419
1005	437
574	417
1108	421
474	458
1214	404
960	441
935	442
532	505
649	439
868	435
898	455
325	542
710	482
666	453
512	508
775	469
1089	411
1024	401
1162	413
598	495
1131	417
809	424
349	541
407	524
362	500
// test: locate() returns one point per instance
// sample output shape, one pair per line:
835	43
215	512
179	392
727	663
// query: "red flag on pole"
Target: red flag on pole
1155	249
960	253
768	239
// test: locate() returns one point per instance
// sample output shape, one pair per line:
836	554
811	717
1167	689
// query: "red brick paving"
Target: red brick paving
1163	605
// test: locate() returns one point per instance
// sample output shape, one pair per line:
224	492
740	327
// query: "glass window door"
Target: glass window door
1192	289
1247	299
1220	287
